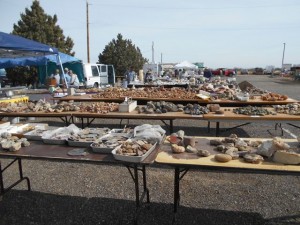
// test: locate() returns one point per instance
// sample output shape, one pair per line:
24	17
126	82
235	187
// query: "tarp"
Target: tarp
19	51
185	65
13	46
36	61
45	71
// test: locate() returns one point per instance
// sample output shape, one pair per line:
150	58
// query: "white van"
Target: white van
97	75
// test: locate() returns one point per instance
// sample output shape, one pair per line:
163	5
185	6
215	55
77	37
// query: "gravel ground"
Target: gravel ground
80	193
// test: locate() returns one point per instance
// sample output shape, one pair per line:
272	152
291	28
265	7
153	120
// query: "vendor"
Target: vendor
148	76
74	81
55	76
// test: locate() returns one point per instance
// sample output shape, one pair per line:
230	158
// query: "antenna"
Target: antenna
87	32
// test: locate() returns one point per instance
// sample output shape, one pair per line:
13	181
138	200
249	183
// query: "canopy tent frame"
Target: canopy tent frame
185	65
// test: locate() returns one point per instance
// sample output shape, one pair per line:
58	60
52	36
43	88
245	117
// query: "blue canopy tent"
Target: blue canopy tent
19	51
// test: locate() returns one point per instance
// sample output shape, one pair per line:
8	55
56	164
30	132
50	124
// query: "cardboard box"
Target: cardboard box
127	107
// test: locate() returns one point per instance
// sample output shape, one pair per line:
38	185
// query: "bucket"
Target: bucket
51	88
14	120
125	83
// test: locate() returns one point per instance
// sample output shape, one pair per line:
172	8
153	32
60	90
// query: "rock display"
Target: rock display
12	143
253	111
160	107
291	109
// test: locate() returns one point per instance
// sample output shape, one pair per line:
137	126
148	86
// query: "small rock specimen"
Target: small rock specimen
253	158
177	149
223	157
203	153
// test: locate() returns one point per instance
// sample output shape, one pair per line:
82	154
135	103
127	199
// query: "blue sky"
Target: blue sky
220	33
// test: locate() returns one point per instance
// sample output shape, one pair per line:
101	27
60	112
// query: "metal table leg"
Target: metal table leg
217	129
3	190
179	174
171	126
139	198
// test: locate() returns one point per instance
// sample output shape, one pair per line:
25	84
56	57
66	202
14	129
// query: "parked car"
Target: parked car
244	72
218	72
224	72
277	71
229	72
258	71
267	72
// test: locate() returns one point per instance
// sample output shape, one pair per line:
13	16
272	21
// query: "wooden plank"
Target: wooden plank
230	115
191	159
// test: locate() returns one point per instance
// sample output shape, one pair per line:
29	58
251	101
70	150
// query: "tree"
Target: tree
36	25
123	54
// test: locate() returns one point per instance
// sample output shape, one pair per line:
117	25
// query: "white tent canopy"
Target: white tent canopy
185	65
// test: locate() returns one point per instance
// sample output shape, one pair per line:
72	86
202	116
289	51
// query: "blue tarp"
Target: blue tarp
19	51
13	46
36	61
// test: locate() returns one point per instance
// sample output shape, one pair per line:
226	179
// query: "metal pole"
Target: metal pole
153	52
283	56
87	32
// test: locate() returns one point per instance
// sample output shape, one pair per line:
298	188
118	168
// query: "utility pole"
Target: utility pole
153	52
87	32
160	58
283	57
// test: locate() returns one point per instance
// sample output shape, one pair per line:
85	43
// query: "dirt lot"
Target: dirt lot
75	193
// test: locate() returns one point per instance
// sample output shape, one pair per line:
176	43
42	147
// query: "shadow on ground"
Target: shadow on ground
23	207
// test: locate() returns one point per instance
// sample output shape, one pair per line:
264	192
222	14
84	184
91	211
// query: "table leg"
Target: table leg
1	181
176	189
146	190
178	175
72	119
82	122
208	127
21	175
139	198
67	121
171	127
3	190
217	129
136	184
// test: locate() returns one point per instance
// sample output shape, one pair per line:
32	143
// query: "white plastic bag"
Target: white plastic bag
151	133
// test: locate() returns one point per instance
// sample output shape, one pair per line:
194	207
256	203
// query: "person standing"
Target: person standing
66	76
130	75
148	76
207	73
74	81
56	76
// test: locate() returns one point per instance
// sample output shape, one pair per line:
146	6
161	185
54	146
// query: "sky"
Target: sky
219	33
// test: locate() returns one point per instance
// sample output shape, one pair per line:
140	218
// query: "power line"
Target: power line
194	8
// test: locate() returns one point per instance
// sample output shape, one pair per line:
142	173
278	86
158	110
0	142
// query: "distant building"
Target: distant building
286	66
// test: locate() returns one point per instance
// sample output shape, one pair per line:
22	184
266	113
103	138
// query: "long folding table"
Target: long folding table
230	116
39	150
183	162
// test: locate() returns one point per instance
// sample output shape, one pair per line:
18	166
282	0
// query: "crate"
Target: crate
127	107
